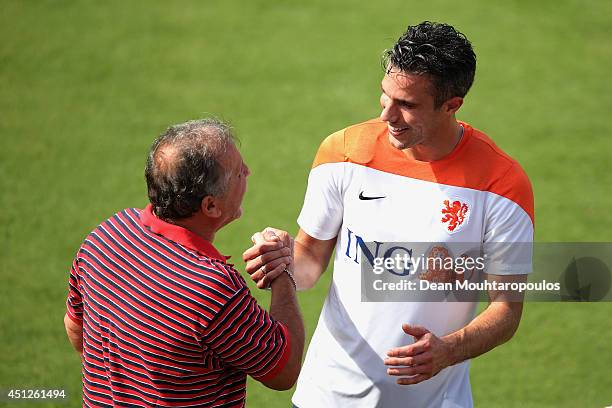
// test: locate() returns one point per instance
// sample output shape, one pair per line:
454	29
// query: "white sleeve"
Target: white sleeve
508	237
323	209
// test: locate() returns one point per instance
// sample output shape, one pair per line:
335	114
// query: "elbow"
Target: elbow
283	382
306	282
281	387
286	379
74	332
291	379
513	329
514	320
305	285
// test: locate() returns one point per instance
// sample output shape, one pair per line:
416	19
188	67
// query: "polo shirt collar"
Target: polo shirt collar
179	234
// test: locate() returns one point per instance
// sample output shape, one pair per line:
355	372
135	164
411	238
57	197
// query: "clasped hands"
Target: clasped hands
272	252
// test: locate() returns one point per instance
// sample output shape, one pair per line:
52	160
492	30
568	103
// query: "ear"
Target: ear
453	104
210	207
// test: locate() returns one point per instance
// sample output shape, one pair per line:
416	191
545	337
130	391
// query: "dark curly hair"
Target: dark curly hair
183	167
437	50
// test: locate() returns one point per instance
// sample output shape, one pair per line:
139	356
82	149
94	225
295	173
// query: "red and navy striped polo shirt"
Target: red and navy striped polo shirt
166	321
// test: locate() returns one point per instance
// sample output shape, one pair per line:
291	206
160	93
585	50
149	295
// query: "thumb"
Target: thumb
414	331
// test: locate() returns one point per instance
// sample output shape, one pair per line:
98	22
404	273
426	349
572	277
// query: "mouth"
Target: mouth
394	131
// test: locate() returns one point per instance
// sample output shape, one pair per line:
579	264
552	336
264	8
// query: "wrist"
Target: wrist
285	279
454	347
287	272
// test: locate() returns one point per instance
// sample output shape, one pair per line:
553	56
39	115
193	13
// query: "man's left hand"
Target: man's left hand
421	360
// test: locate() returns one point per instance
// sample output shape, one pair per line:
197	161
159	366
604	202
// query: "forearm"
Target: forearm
75	333
494	326
307	270
284	308
311	257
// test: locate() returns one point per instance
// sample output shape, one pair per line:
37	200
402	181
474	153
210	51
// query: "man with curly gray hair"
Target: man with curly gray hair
156	312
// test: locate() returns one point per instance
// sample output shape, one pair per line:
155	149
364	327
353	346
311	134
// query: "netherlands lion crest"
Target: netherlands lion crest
455	215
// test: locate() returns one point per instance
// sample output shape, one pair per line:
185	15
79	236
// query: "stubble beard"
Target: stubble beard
408	141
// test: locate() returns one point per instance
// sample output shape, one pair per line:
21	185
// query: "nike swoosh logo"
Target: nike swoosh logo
362	197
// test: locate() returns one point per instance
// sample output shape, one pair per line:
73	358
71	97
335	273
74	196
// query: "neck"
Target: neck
197	227
439	145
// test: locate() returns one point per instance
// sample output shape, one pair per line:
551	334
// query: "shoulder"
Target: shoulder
492	160
356	143
128	219
225	276
481	145
207	278
121	226
496	172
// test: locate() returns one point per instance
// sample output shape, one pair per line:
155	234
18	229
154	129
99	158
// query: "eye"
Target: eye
407	105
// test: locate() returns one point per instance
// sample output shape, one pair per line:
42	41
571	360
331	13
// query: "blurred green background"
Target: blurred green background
86	86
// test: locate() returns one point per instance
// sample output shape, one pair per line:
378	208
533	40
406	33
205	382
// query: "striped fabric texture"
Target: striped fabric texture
167	322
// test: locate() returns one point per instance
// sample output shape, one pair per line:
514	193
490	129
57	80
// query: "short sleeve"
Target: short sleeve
245	336
508	235
322	212
74	304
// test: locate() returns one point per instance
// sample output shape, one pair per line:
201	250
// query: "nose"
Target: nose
389	111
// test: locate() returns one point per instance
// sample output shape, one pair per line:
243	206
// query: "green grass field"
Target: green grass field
86	86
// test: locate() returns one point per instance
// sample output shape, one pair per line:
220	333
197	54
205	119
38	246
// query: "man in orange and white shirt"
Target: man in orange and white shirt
415	174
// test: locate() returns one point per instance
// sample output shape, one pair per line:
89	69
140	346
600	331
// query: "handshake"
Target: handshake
270	257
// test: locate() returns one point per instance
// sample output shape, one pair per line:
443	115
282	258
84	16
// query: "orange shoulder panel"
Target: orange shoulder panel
498	173
355	143
331	150
515	186
361	141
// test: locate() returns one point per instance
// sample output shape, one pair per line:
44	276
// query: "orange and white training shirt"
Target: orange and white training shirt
362	189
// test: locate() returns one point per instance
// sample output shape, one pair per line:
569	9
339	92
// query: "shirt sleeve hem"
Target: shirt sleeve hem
73	317
282	361
497	269
316	232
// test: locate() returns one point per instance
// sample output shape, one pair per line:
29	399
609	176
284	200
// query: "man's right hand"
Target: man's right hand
271	253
